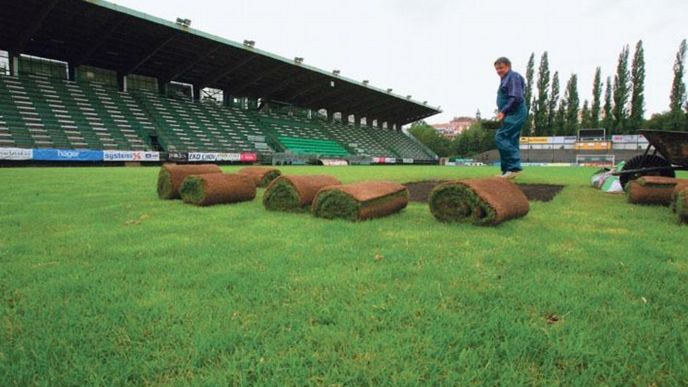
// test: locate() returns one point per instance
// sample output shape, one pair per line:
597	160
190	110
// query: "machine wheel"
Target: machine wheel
649	161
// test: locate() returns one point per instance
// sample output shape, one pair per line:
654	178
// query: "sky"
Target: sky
442	51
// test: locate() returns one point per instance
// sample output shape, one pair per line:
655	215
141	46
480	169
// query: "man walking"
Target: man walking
512	114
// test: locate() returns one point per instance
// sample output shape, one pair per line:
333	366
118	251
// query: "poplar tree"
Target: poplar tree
596	95
572	105
528	93
635	121
677	119
540	108
621	91
608	119
560	118
553	99
586	118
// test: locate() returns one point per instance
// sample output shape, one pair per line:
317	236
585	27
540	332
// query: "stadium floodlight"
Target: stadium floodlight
366	82
408	96
183	22
249	43
336	72
298	60
425	102
389	90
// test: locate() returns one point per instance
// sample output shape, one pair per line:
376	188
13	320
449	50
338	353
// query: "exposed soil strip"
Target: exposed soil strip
419	191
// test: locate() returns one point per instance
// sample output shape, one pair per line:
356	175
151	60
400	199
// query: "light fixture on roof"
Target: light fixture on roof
366	82
389	90
336	72
183	22
425	102
408	96
249	43
298	60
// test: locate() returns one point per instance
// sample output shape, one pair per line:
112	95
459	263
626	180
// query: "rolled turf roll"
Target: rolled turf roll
295	193
262	176
483	202
681	184
681	205
171	176
217	188
651	190
360	201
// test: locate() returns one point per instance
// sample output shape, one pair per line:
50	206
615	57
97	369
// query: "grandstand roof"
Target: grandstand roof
102	34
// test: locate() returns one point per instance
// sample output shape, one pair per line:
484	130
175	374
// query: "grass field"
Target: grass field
102	283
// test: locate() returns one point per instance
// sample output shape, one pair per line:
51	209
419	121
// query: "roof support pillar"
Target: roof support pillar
227	98
121	81
14	63
162	86
196	92
71	71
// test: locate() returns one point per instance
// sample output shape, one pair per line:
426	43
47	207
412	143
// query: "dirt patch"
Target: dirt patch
419	191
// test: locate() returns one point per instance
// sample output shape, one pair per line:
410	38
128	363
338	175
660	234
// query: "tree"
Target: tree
429	136
553	99
677	119
474	140
528	93
540	107
596	94
621	90
560	118
586	117
572	105
635	121
608	119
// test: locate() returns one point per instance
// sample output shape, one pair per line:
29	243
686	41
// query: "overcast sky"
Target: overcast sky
442	50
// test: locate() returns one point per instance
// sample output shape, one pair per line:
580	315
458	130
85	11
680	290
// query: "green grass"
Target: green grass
103	283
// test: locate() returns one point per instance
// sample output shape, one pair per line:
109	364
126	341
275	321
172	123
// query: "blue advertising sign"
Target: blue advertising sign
67	155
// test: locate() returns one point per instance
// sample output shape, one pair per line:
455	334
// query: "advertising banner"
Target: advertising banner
390	160
408	161
67	155
378	160
201	156
334	162
228	157
178	156
249	157
109	155
16	154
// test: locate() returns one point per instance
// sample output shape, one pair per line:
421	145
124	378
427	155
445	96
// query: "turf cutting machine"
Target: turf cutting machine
666	153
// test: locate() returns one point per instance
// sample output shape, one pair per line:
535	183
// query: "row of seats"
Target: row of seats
401	144
39	112
200	127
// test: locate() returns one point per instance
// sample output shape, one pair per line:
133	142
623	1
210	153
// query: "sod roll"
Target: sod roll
483	202
651	190
360	201
262	176
217	188
681	205
295	193
171	176
681	184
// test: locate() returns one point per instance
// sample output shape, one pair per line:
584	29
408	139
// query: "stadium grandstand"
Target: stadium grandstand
94	81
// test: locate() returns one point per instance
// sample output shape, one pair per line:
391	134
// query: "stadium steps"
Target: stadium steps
200	127
41	112
300	135
357	140
307	146
401	144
